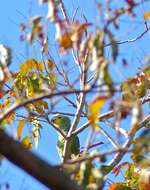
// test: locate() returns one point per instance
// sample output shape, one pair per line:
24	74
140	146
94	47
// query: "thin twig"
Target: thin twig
57	129
129	40
97	155
64	11
109	138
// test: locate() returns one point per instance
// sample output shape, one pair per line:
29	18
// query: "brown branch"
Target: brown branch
32	100
57	128
47	174
97	155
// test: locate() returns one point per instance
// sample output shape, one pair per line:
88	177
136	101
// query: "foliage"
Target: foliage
41	87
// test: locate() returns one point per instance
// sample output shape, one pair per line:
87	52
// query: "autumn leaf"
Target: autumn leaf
117	169
9	119
27	142
146	15
20	127
7	102
31	64
65	41
118	186
144	179
50	64
94	109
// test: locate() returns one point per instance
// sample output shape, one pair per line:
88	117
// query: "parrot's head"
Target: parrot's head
61	121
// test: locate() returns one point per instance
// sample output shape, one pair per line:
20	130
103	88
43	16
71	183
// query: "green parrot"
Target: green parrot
64	123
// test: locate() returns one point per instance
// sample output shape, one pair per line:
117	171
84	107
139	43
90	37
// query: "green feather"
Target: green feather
64	123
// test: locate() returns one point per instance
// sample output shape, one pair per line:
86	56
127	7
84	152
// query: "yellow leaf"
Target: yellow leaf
20	126
28	65
30	89
146	15
7	103
9	119
94	109
27	142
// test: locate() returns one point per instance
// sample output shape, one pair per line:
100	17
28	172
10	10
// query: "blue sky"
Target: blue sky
12	14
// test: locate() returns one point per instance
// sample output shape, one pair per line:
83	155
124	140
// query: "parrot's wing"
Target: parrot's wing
60	146
75	146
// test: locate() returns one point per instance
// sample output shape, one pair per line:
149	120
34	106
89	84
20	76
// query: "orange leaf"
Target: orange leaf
50	64
113	186
7	103
65	41
146	15
40	66
27	142
20	126
94	109
1	94
144	179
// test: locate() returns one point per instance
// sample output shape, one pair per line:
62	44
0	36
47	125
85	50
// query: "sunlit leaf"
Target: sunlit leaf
65	41
144	179
20	127
94	109
27	142
30	89
7	103
31	64
10	118
146	15
118	186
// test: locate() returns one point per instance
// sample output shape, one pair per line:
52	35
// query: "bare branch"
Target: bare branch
129	40
136	114
109	138
101	117
97	155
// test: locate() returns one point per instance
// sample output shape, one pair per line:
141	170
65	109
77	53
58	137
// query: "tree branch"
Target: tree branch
47	174
136	112
107	115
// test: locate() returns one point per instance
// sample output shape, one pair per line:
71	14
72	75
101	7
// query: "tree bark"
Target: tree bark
47	174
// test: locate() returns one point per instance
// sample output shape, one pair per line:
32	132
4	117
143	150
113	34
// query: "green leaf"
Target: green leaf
106	169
